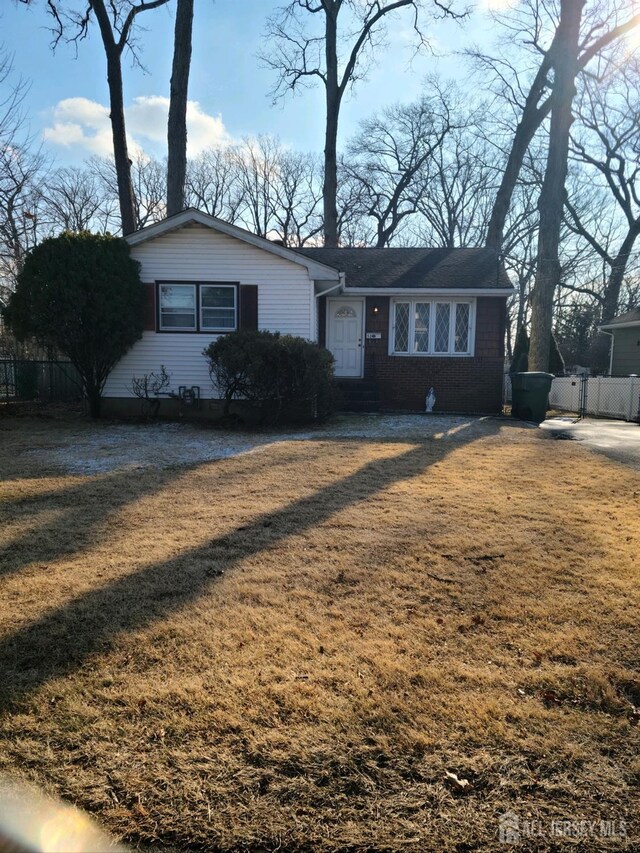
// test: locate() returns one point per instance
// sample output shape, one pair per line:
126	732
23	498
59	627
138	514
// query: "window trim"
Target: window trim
433	301
197	329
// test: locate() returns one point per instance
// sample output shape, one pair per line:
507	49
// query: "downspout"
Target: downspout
333	287
324	293
613	340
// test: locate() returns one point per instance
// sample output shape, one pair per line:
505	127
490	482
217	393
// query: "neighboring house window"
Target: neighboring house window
198	307
432	327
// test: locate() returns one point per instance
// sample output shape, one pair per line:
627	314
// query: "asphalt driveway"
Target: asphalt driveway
616	439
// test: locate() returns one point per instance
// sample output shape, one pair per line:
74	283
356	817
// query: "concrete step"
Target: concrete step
358	391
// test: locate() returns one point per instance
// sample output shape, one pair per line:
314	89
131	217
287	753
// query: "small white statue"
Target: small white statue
430	400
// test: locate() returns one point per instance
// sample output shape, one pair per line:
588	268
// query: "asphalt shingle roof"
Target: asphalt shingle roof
632	316
420	268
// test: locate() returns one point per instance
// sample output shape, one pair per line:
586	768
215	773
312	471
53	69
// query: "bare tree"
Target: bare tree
177	124
21	171
297	206
551	201
213	184
463	176
75	199
606	144
115	19
22	167
391	159
519	251
277	191
256	164
537	27
571	44
354	229
148	183
310	41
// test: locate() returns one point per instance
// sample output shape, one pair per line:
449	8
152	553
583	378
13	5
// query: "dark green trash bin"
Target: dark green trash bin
530	395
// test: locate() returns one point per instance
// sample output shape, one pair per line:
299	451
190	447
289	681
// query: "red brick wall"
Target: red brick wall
461	384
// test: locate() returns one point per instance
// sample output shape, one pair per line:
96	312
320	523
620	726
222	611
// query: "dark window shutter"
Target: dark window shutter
149	323
248	307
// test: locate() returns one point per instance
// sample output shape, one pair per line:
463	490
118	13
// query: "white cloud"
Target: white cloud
80	122
147	118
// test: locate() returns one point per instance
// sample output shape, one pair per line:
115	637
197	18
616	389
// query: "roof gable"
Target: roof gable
316	268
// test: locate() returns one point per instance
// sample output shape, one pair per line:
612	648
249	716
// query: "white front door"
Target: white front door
344	335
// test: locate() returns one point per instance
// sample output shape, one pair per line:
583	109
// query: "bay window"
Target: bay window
432	327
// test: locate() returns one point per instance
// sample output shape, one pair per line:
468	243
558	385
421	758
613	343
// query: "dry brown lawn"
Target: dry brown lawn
290	649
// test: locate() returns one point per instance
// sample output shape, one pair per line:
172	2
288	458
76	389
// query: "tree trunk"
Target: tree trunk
611	299
616	276
525	132
118	128
120	150
551	201
532	117
177	125
94	397
330	185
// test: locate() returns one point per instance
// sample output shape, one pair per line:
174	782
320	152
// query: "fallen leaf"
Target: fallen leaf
457	783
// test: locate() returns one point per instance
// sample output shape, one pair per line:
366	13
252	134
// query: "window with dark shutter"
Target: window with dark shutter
249	307
199	306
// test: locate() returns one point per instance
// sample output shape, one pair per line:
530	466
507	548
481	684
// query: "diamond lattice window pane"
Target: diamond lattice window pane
462	327
421	336
401	342
443	314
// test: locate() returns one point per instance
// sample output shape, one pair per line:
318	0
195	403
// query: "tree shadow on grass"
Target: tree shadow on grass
82	509
60	642
79	511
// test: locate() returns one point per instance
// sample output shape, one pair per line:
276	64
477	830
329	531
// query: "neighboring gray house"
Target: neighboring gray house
625	343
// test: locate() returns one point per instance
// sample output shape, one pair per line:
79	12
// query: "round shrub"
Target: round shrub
286	375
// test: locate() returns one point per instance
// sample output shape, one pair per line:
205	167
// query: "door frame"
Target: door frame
345	299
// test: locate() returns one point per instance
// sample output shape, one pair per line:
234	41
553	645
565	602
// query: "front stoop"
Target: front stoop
358	395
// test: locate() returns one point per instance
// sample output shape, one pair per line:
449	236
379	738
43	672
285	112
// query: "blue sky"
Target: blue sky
68	94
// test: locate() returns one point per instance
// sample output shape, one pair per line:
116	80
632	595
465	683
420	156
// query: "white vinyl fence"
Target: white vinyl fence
615	397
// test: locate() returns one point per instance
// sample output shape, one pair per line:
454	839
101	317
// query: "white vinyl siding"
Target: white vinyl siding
198	254
432	327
